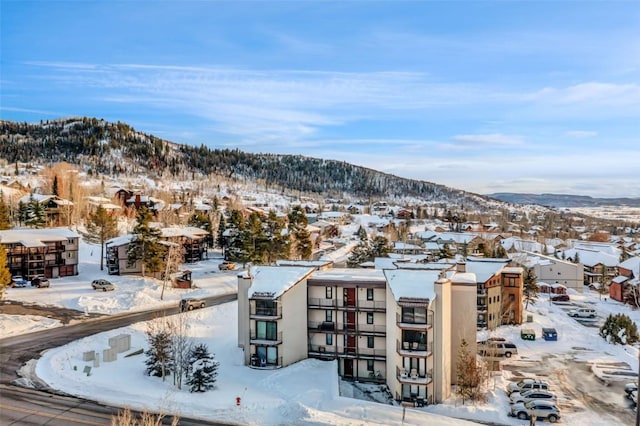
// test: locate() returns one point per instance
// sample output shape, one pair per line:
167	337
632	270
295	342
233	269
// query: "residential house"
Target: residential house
56	209
552	270
598	265
51	252
624	287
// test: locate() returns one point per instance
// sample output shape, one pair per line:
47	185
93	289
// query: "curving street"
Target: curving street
41	405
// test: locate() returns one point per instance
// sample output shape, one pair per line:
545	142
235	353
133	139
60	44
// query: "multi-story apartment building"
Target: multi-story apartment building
499	291
51	252
387	326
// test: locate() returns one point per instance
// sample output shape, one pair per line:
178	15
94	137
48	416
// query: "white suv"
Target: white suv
582	313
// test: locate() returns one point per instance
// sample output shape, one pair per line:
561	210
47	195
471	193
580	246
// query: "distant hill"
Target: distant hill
563	200
116	149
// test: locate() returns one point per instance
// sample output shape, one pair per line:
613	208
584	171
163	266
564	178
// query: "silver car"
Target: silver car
531	395
541	409
103	285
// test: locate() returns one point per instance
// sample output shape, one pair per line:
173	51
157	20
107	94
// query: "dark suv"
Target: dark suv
40	282
191	304
561	298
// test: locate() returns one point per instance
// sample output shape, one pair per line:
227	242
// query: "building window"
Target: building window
512	298
369	317
370	341
329	339
369	365
266	330
328	315
329	292
369	294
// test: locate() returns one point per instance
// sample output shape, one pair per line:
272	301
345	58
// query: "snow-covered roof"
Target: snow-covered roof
463	277
633	263
303	263
406	283
484	269
592	257
120	241
349	274
275	280
183	231
35	237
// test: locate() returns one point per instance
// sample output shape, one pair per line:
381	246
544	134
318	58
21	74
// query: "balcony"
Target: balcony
321	303
413	377
321	326
263	364
254	339
258	312
413	349
482	308
363	305
409	324
362	352
322	351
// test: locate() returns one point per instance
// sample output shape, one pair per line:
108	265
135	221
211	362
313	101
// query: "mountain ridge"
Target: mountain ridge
563	200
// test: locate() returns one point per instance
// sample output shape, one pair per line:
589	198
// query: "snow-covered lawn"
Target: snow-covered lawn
14	325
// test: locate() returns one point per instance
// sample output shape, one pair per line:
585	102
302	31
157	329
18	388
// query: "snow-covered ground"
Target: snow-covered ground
310	391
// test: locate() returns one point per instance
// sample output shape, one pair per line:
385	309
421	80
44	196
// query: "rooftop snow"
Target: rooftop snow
349	274
412	284
36	236
276	279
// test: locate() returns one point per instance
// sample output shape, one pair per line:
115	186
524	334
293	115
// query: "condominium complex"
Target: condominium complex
50	253
401	327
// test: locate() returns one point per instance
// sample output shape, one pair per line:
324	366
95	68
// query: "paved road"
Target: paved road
20	406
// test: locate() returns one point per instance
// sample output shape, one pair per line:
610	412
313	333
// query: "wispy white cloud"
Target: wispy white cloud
489	139
581	133
592	93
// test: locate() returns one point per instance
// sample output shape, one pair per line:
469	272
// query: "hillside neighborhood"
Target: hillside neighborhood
380	297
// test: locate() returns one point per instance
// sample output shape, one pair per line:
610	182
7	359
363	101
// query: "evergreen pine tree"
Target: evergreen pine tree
54	186
202	372
158	362
101	226
278	240
222	226
379	247
530	287
301	247
202	221
5	214
34	215
145	245
235	244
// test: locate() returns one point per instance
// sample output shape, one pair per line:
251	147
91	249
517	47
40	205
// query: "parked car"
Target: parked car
582	313
227	266
103	285
191	304
527	384
541	409
40	282
531	395
18	281
630	387
561	298
497	349
633	396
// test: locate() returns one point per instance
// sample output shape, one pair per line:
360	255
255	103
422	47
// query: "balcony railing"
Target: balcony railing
319	302
262	312
321	325
413	348
263	364
413	376
410	323
359	304
362	352
270	340
322	350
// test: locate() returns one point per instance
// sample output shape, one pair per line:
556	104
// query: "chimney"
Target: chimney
461	266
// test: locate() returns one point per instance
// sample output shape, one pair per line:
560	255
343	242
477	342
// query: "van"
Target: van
582	313
497	349
549	334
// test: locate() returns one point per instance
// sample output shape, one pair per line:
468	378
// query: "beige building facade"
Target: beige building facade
399	327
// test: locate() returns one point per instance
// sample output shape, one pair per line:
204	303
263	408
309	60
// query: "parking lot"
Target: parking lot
585	373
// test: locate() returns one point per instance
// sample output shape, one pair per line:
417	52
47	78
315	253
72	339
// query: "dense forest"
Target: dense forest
116	148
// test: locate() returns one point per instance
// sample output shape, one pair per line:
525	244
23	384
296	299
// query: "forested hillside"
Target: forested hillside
116	148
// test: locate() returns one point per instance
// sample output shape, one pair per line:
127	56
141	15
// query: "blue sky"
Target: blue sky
485	96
